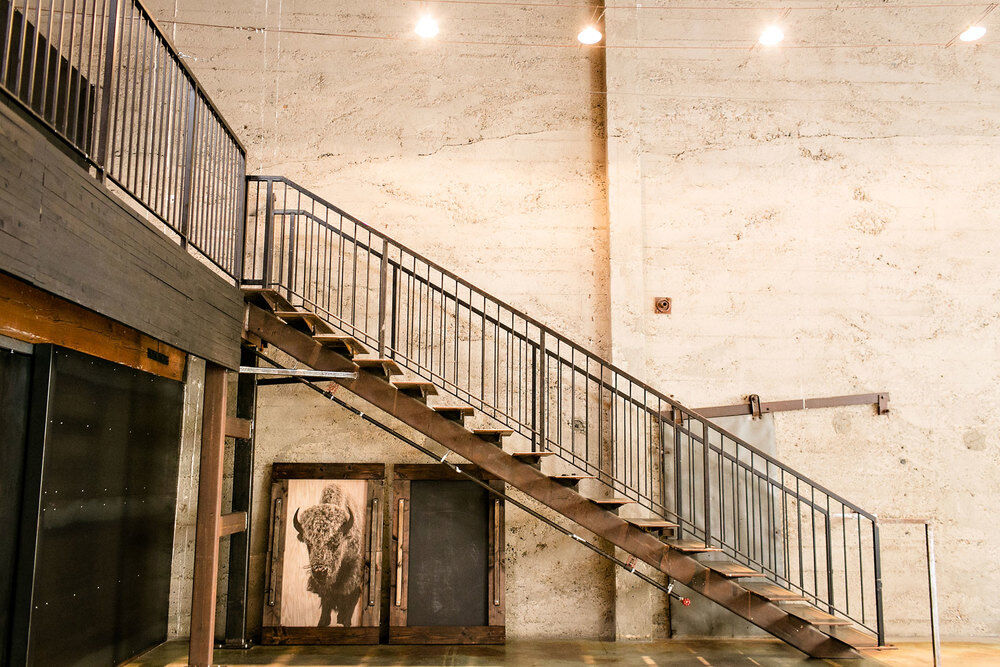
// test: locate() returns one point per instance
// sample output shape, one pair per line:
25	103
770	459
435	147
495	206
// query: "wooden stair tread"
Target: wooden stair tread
651	524
532	454
732	569
270	296
353	345
389	366
771	591
464	410
854	637
572	477
502	432
690	546
612	502
813	615
425	387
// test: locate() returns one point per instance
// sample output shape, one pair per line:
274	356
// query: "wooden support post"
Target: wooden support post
207	530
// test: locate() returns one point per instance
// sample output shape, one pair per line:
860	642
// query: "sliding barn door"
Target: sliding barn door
325	550
447	558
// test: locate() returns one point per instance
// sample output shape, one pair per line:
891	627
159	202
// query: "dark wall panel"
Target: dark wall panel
15	384
109	483
63	232
449	547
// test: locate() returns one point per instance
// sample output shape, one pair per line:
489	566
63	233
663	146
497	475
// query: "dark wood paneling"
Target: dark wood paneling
438	471
328	471
483	634
63	232
279	635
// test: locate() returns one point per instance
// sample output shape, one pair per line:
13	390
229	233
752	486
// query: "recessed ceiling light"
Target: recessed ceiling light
973	33
589	35
771	36
427	27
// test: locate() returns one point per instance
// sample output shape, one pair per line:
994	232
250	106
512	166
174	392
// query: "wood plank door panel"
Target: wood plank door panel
324	554
447	558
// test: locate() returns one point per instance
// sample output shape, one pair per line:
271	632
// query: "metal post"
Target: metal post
879	616
185	221
239	543
382	278
242	192
677	418
534	398
932	591
393	314
706	483
268	234
829	562
543	386
109	69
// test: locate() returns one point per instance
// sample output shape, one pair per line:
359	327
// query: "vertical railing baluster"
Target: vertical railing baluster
706	483
104	139
879	616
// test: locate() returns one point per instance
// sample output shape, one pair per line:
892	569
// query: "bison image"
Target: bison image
332	532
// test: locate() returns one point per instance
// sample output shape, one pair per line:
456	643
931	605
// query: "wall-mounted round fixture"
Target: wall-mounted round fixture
771	36
589	35
427	27
973	33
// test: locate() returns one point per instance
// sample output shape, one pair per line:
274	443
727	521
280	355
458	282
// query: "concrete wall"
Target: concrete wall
823	221
485	159
820	217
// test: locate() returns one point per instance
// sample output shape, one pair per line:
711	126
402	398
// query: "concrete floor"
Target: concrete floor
555	653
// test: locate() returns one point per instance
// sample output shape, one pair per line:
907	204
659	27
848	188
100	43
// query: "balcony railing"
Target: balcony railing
107	81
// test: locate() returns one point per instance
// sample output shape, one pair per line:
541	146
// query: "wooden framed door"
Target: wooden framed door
447	558
324	554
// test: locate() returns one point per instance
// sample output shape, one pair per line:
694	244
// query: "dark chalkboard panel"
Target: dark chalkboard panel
109	484
15	378
448	554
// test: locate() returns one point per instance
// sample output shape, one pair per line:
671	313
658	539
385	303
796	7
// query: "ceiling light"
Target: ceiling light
973	33
771	36
589	35
427	27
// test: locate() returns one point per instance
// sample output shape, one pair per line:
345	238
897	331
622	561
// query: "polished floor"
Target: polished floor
557	653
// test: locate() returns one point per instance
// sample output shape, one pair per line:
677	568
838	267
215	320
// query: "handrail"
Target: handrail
563	397
549	331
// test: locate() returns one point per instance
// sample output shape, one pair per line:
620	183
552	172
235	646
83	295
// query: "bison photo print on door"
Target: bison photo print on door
324	557
324	554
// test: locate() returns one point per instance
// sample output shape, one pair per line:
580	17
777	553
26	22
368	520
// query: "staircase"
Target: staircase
553	419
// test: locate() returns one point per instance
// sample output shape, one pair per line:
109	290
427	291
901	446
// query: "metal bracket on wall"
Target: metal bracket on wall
756	408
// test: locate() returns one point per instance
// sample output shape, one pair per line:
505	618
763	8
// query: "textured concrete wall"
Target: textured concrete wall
823	219
484	158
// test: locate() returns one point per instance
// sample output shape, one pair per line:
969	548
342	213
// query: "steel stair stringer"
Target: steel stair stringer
728	593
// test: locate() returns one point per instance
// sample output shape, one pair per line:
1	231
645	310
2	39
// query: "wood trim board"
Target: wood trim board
34	316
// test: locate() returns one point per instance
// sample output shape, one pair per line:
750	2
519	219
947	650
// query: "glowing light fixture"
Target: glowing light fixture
589	35
427	27
771	36
973	33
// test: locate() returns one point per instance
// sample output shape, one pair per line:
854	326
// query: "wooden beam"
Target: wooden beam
234	522
238	428
32	315
209	521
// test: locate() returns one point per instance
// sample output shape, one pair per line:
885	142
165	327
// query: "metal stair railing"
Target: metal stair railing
637	441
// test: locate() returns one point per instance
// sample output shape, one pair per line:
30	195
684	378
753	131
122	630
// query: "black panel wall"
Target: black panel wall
107	496
449	547
15	378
